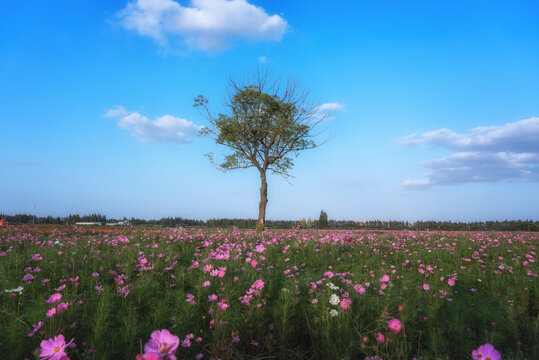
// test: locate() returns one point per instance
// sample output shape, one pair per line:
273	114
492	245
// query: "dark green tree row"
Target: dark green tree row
322	222
72	219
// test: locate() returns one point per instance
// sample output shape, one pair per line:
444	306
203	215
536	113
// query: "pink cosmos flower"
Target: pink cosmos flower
451	282
162	344
37	257
258	284
147	357
380	338
486	352
395	325
385	278
36	328
223	305
54	298
345	303
426	287
62	306
360	289
186	343
53	349
51	312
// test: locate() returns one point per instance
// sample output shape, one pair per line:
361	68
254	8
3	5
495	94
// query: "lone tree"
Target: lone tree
263	125
323	220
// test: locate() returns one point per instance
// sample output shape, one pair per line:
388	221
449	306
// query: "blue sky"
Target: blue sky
438	107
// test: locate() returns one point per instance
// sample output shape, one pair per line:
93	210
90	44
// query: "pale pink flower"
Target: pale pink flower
53	349
54	298
163	344
486	352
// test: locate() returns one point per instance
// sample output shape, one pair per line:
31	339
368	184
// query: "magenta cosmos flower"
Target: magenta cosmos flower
395	325
147	357
486	352
162	344
53	349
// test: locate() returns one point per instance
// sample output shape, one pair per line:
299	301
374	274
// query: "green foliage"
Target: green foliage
323	220
506	225
485	304
260	129
260	227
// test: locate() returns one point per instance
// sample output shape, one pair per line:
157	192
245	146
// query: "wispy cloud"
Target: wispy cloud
484	154
164	128
330	107
325	111
519	136
208	25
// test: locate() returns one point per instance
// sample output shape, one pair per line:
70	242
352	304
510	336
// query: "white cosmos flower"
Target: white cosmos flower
333	313
334	299
332	286
17	290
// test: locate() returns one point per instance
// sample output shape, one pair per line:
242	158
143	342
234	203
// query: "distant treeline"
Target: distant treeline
506	225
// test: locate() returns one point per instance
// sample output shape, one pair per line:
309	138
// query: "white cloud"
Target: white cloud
519	136
484	154
330	107
208	25
325	111
116	112
164	128
417	184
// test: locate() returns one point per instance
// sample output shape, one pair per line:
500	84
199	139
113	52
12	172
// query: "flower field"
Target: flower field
298	294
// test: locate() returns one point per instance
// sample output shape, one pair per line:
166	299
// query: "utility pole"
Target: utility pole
34	218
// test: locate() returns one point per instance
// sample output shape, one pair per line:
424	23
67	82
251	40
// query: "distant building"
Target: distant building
95	223
120	223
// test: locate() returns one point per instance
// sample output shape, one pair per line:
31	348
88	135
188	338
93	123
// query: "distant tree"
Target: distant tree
263	125
323	220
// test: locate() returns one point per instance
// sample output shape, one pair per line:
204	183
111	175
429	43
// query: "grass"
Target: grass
123	285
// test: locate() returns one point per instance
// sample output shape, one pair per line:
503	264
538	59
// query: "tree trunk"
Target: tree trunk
263	199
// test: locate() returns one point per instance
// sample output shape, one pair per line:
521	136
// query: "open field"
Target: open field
283	294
